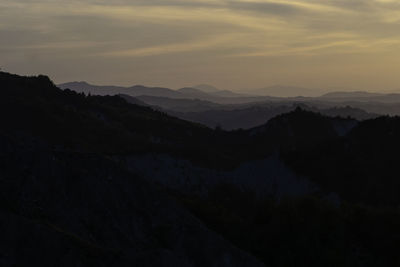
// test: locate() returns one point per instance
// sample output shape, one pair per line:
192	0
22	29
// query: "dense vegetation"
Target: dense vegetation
301	231
361	166
58	158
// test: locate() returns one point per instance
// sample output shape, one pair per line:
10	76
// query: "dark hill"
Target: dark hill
69	198
78	209
66	201
300	129
90	123
361	166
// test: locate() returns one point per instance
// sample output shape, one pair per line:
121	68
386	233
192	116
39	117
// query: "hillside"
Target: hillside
97	181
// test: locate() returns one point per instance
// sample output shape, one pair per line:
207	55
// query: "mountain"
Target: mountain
353	94
139	90
221	96
282	91
136	90
301	129
64	193
68	119
348	111
226	97
97	181
193	93
361	166
241	116
227	93
84	210
84	87
180	105
135	100
231	119
361	96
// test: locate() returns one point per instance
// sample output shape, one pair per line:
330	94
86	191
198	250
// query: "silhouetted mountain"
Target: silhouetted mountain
361	166
84	87
378	108
63	196
137	90
217	92
227	93
354	94
136	100
181	105
239	116
282	91
83	209
302	129
347	111
361	96
97	181
194	93
69	120
228	119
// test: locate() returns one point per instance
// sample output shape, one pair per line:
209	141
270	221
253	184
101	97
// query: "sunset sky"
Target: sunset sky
352	44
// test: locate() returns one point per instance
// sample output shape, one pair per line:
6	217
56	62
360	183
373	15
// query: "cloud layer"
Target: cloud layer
233	44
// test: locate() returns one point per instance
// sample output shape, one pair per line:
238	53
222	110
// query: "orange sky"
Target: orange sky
352	44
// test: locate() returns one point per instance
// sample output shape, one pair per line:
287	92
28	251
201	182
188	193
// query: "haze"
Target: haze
230	44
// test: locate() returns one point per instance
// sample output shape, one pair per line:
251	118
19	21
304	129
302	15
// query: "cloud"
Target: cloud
225	32
202	44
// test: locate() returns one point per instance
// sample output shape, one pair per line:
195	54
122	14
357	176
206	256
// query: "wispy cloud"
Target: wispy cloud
197	45
181	30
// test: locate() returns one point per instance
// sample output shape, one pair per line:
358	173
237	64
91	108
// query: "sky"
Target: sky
231	44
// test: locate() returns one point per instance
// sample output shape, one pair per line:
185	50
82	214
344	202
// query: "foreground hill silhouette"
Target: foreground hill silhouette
71	204
77	189
89	123
362	165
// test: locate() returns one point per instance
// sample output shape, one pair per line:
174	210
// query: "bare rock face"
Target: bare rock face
69	209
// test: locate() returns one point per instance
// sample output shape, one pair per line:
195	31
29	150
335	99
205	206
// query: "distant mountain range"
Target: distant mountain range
361	96
353	94
97	181
181	105
284	91
214	95
231	110
135	90
239	116
199	91
218	92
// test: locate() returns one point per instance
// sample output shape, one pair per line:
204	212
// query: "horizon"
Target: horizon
232	45
310	92
243	90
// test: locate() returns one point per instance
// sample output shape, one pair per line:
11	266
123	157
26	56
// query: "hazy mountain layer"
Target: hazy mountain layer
97	181
222	97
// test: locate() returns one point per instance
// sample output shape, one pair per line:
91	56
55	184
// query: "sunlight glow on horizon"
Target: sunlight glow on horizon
230	44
